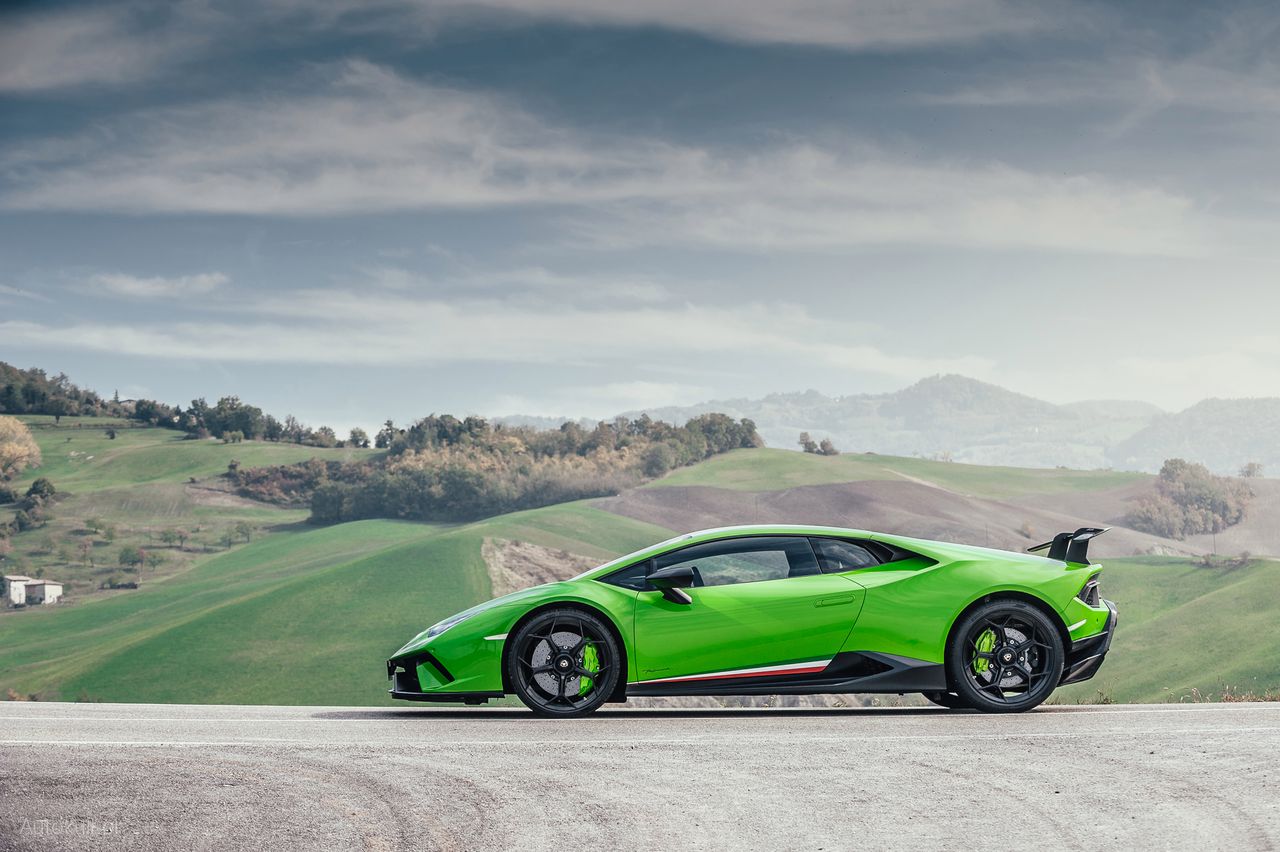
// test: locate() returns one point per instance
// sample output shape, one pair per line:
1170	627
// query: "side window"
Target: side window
837	556
744	560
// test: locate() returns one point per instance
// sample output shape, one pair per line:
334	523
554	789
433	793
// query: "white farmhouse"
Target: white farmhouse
15	589
43	592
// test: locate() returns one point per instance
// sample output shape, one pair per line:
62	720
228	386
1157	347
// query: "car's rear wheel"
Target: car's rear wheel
949	700
1004	657
563	662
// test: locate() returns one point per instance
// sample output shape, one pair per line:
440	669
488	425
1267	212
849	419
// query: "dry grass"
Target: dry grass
1230	695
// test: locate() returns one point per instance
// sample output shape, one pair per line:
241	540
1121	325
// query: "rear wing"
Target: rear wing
1071	547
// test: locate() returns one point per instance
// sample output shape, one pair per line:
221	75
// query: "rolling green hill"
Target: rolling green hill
771	470
301	614
130	489
1184	627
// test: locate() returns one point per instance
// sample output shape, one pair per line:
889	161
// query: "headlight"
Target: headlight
441	626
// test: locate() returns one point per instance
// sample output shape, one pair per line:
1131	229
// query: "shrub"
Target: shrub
1189	500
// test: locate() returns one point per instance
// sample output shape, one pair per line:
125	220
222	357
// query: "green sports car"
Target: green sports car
767	610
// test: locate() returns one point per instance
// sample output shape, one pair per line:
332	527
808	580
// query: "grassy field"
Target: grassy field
126	491
1184	627
774	470
79	456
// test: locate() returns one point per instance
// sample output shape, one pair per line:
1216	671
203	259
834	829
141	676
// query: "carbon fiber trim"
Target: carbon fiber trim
849	672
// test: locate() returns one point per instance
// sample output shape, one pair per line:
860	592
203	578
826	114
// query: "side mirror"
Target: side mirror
672	582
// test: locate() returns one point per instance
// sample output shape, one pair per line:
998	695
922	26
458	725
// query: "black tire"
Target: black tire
1004	657
949	700
563	663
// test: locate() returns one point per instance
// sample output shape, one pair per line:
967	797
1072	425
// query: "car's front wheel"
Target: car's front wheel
1004	657
563	662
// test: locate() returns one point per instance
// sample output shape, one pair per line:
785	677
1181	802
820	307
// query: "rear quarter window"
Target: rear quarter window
836	556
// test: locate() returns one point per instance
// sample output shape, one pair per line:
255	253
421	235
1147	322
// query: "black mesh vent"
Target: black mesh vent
1090	594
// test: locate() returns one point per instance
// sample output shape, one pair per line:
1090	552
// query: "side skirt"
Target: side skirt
851	671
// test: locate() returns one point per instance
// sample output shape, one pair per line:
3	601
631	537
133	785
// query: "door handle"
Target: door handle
835	600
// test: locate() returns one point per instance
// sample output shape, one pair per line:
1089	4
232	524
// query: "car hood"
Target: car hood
505	600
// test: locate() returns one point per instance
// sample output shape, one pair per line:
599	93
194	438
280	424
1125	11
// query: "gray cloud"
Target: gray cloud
368	140
97	45
846	24
157	287
106	44
339	327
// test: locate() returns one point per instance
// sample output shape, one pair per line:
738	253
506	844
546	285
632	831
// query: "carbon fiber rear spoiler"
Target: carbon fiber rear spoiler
1071	547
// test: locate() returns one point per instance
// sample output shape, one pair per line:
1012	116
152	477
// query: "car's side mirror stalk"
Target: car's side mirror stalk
672	582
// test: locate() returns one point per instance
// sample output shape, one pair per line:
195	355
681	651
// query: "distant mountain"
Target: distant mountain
536	421
1224	434
971	421
943	416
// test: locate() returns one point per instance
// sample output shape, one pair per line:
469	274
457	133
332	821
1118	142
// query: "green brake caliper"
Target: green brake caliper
984	644
590	662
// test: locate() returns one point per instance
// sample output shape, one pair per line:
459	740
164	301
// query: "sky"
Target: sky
354	210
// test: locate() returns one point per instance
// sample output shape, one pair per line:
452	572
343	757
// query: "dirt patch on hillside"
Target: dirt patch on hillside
905	508
515	565
216	494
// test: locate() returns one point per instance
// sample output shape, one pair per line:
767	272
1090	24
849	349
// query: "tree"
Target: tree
42	489
658	459
385	435
244	530
358	439
85	548
324	437
807	443
18	450
826	448
59	408
169	537
182	536
131	556
227	538
1251	471
1189	500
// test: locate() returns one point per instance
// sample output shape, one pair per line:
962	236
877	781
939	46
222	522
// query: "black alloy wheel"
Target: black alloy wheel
1004	657
563	663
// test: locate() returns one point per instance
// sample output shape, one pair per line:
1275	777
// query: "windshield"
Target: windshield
628	557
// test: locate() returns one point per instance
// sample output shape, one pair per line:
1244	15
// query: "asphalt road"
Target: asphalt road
136	777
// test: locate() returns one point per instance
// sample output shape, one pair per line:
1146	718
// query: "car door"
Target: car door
757	602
